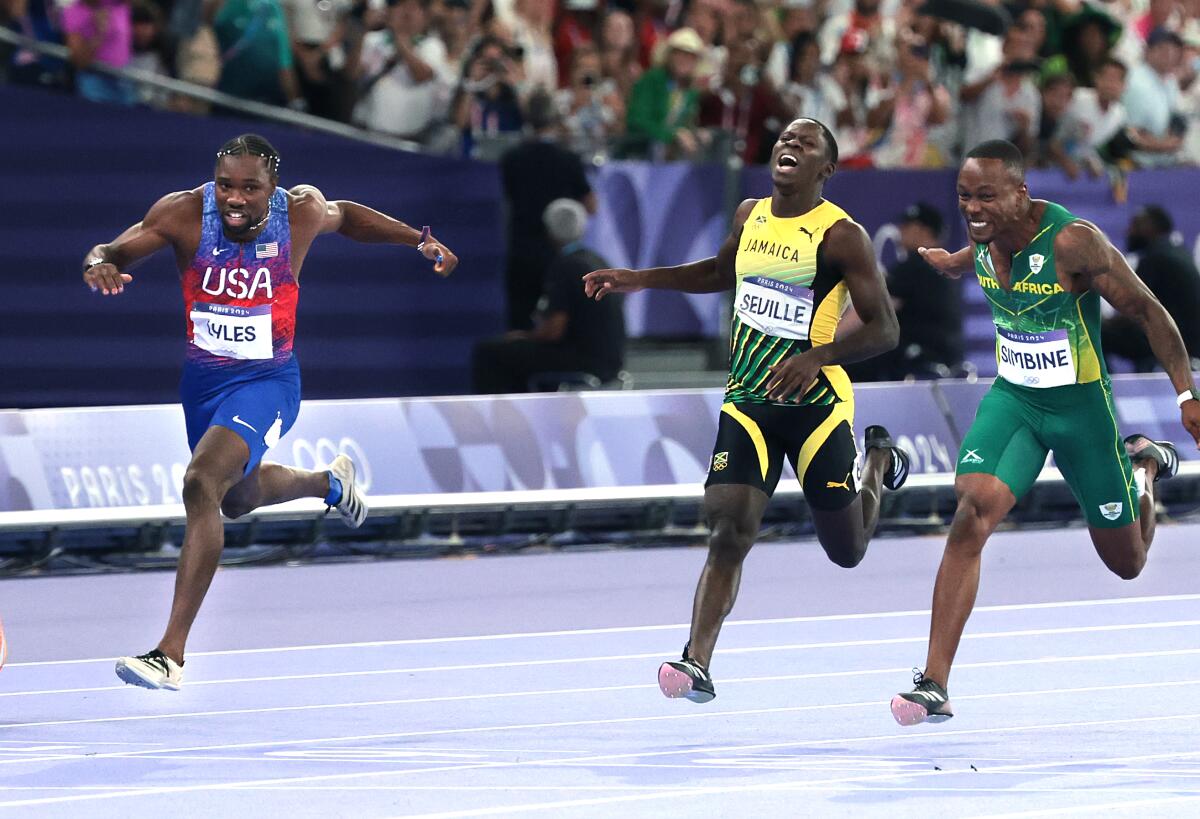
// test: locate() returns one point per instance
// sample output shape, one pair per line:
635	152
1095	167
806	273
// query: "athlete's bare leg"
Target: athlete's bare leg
983	501
1124	550
734	513
844	533
212	484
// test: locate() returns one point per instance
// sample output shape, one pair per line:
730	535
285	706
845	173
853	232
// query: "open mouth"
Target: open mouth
978	225
787	161
236	218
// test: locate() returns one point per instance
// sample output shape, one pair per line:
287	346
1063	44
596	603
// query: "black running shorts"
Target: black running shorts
817	440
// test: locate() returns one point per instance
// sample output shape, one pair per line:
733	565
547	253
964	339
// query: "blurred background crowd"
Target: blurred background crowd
904	83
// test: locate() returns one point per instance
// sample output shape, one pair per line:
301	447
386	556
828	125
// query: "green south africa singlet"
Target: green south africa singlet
788	300
1053	393
1045	336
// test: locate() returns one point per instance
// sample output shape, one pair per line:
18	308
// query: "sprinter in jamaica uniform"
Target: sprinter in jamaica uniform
796	261
1044	272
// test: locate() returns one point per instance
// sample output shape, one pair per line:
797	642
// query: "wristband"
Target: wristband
90	263
1187	395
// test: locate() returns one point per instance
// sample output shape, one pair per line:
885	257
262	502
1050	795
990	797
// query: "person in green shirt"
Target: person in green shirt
256	53
664	103
1043	272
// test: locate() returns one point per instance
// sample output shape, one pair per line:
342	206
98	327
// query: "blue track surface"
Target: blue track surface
525	685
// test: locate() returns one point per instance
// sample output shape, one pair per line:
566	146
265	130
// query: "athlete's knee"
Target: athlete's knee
1128	566
973	522
200	488
847	556
729	541
234	508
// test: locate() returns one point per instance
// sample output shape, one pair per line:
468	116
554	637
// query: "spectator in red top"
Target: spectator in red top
744	102
577	22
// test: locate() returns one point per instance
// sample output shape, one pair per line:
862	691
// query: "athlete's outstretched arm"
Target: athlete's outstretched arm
364	224
104	265
848	247
1094	264
711	275
950	265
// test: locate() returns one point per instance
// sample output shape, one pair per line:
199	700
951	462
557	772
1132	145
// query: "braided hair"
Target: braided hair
252	145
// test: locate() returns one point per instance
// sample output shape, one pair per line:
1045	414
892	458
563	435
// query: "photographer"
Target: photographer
404	78
486	101
1005	102
591	107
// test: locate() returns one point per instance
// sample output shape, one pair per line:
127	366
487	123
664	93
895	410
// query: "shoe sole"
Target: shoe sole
346	476
907	713
131	676
676	685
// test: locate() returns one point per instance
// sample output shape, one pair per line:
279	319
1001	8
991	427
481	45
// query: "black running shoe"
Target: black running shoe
686	678
928	702
877	437
151	670
1163	453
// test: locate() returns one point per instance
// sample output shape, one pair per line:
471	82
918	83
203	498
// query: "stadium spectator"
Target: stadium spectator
256	52
486	103
100	32
1154	102
909	106
152	51
810	91
664	104
592	108
1061	140
745	104
404	78
618	52
1088	40
1004	102
1098	113
318	31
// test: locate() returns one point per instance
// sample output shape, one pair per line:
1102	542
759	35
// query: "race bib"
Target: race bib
774	307
1035	359
233	332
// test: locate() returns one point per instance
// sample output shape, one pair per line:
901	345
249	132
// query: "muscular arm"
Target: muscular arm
159	228
711	275
1092	263
849	247
363	224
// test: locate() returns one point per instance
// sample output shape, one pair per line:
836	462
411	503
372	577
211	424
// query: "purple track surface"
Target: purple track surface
526	686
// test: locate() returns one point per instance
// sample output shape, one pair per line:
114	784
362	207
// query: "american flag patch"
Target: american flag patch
268	251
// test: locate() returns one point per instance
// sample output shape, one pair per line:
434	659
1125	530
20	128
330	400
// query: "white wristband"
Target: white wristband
1186	395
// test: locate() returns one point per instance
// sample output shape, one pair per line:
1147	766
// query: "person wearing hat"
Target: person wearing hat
1089	37
664	103
1153	100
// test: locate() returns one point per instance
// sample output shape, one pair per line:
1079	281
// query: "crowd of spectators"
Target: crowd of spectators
903	83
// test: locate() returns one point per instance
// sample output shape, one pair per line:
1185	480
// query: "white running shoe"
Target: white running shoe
151	670
353	506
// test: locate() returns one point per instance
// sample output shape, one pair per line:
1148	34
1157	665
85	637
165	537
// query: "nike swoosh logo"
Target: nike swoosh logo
217	251
238	420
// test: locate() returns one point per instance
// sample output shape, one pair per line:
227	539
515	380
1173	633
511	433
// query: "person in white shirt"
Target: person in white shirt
1097	113
404	76
1153	100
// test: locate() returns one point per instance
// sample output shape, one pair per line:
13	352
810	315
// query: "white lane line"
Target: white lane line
1128	655
609	658
541	726
823	618
1094	808
526	763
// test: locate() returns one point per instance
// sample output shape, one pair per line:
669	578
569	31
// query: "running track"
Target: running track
524	685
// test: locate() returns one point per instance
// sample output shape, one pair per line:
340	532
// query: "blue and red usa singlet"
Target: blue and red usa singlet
240	298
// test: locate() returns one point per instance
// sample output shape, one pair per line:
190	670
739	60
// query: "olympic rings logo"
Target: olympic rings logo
315	456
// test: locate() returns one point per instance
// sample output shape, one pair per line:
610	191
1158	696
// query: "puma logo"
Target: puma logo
843	485
806	232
